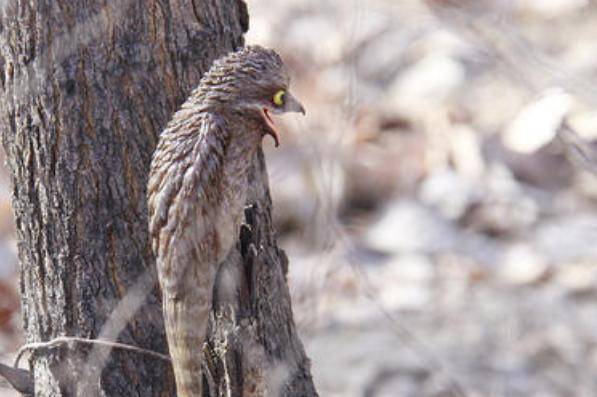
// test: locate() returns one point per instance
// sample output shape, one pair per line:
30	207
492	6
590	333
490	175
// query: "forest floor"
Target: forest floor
438	203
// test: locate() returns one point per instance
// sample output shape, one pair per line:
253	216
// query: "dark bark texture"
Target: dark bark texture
86	87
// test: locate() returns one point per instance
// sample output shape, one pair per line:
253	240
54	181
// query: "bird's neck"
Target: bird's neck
244	126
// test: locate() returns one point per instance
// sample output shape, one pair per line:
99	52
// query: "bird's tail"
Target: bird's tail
186	328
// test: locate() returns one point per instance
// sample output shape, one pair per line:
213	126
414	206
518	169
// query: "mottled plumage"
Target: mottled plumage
197	191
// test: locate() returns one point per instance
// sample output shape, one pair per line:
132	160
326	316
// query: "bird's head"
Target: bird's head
253	79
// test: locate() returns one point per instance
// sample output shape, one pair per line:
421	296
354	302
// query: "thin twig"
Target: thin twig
579	152
74	339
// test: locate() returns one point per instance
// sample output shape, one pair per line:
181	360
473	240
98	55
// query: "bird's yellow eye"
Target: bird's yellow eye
279	98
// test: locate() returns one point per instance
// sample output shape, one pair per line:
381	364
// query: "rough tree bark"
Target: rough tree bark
86	87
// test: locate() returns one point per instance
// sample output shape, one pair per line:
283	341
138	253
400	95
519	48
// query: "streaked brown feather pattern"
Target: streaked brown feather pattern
196	193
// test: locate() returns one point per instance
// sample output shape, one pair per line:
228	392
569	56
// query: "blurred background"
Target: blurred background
438	203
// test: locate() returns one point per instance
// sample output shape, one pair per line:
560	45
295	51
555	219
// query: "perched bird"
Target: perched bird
197	191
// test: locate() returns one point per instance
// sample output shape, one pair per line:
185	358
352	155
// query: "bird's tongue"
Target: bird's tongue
272	130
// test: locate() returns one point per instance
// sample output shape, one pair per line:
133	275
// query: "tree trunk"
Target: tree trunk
87	85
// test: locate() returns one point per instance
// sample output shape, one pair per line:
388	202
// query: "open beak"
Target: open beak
291	105
272	129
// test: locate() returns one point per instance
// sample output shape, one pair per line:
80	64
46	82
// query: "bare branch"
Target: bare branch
19	379
70	340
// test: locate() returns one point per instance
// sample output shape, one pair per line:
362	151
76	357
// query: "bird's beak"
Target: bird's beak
291	104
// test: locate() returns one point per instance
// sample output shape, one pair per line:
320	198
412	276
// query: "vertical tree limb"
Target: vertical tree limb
86	87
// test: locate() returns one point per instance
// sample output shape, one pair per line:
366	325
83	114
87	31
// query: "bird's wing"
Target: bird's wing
182	193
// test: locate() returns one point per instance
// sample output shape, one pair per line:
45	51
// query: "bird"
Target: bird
197	189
